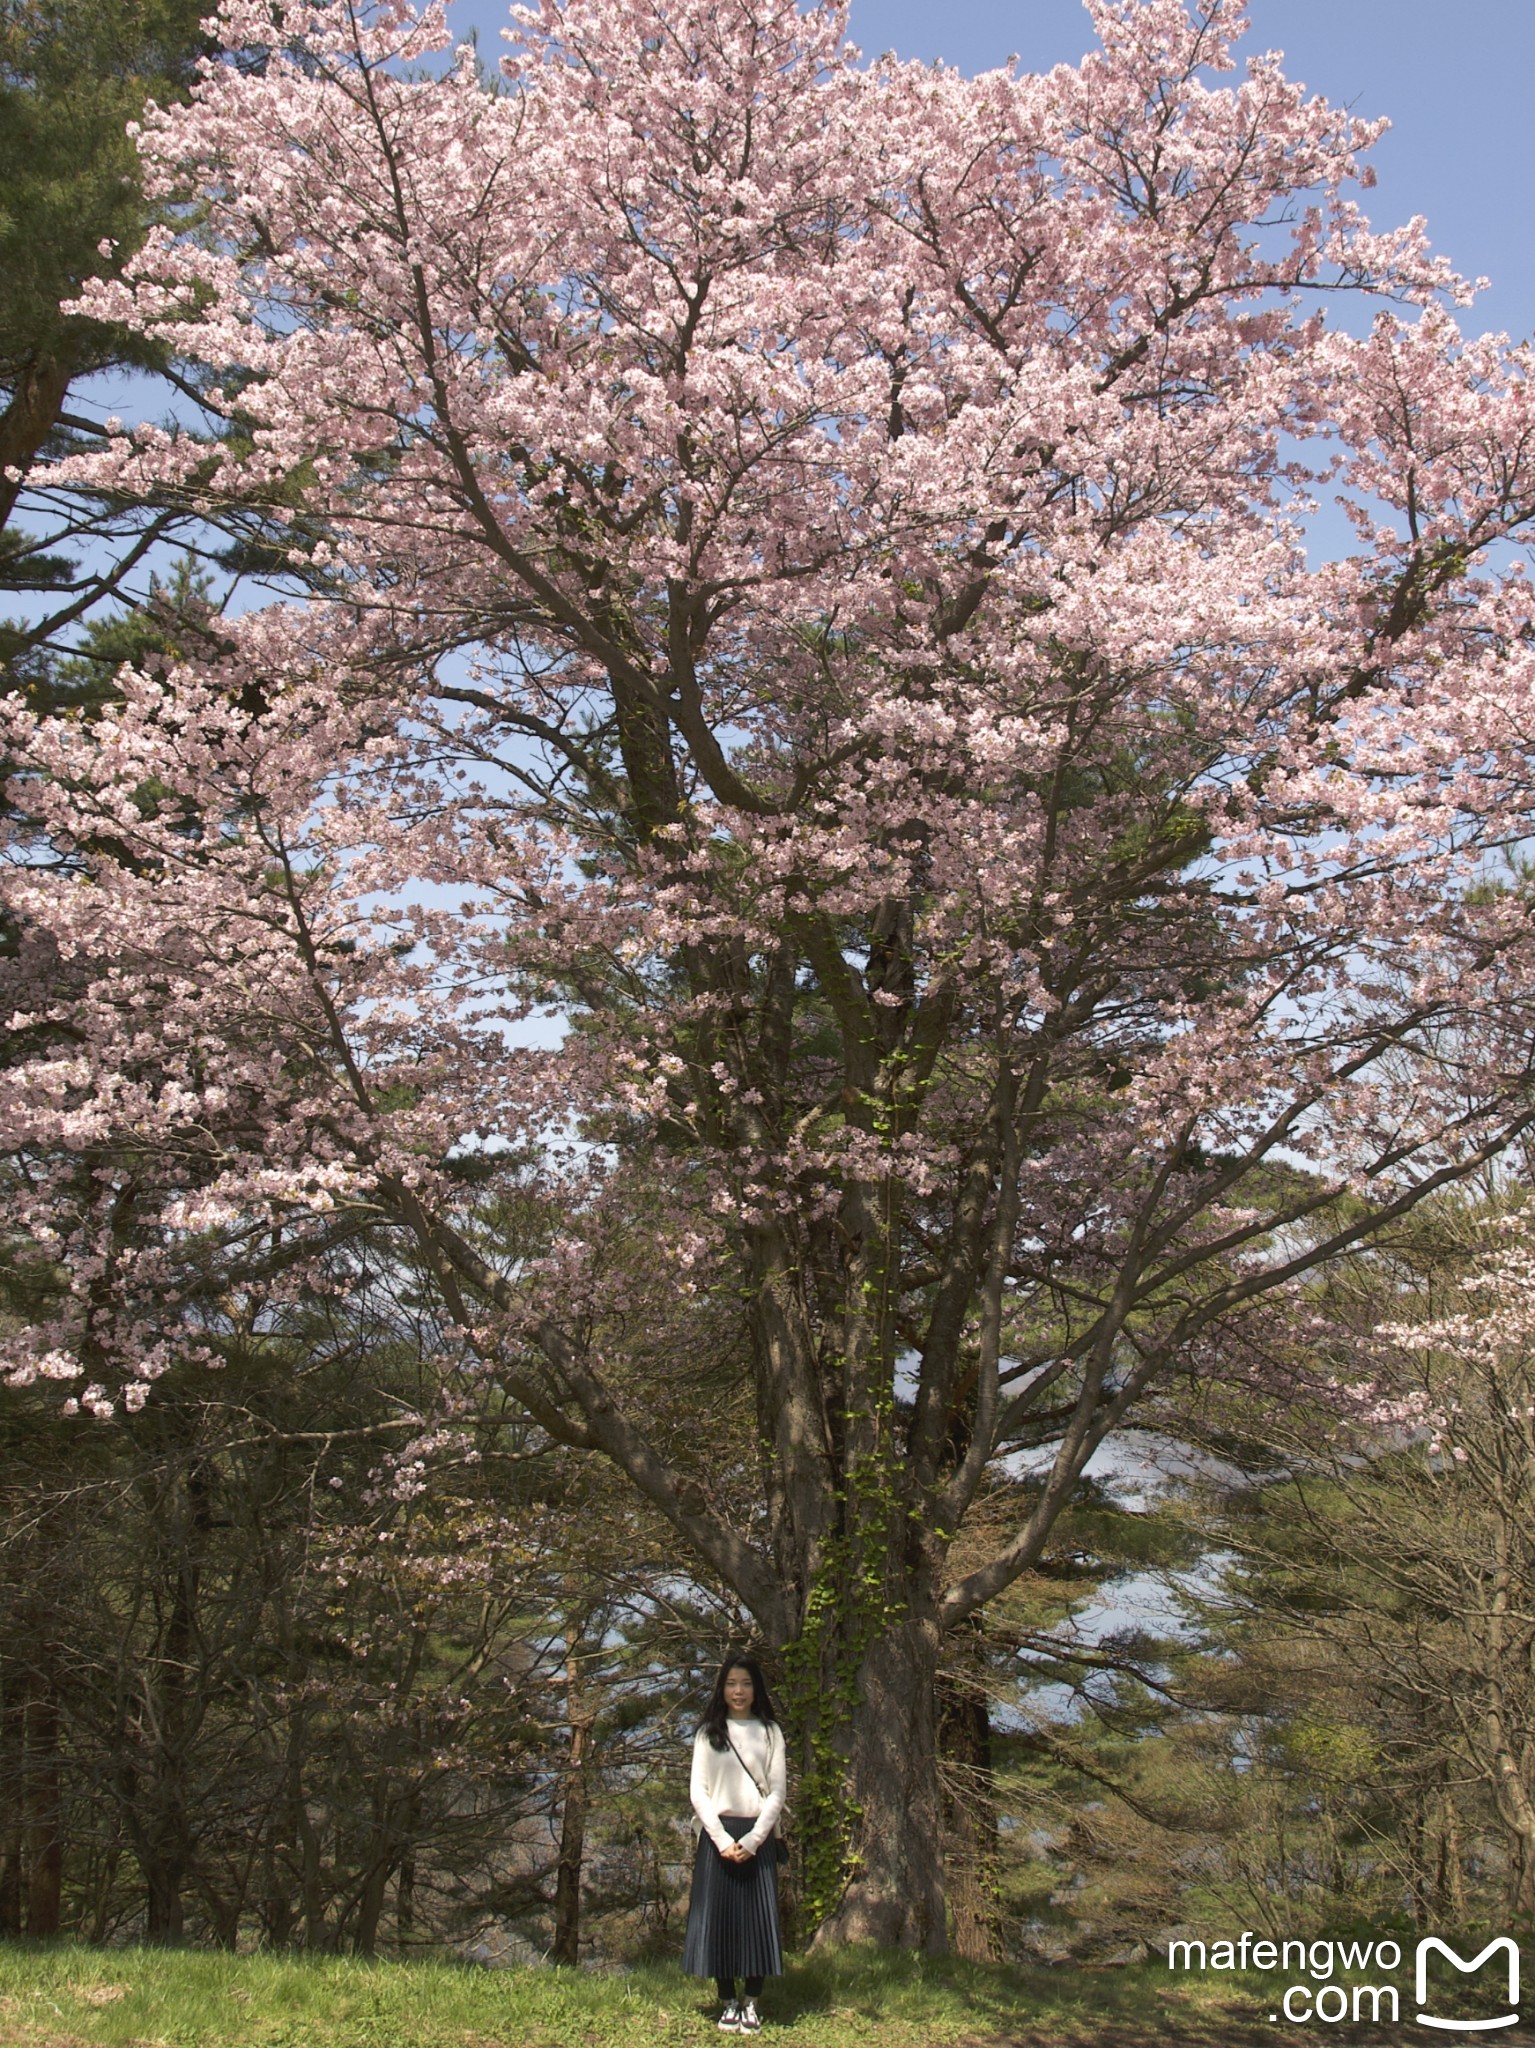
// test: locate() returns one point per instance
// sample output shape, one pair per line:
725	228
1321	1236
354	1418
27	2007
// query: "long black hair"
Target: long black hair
715	1714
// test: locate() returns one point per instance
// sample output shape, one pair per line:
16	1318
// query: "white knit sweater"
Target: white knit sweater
721	1785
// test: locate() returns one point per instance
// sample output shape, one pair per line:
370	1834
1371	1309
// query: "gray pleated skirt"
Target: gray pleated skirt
733	1911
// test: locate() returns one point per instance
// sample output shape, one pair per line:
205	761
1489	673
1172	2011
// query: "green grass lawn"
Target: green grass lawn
69	1997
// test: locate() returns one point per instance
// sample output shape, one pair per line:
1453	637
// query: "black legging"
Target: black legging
727	1988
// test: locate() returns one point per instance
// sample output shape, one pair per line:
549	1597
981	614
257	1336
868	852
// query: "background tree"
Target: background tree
1336	1735
73	75
1391	1541
288	1653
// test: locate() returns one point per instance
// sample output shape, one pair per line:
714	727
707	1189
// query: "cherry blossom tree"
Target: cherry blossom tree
821	779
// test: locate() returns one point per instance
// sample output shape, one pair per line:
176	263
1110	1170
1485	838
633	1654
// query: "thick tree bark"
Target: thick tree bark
894	1895
31	416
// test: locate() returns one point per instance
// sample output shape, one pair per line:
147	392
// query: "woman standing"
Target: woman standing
739	1782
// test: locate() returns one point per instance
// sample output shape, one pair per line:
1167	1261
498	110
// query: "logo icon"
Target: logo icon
1431	1944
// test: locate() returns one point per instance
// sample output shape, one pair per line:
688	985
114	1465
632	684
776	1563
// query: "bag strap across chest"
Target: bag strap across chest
758	1778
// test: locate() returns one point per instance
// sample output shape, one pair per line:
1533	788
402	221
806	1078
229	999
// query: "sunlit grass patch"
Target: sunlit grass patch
69	1997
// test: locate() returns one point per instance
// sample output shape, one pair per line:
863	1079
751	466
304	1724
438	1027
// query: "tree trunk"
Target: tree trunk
161	1847
175	1704
1513	1799
31	416
370	1906
1417	1854
1450	1884
163	1876
106	1879
44	1809
969	1819
12	1769
405	1876
224	1915
313	1894
894	1894
277	1911
10	1881
567	1880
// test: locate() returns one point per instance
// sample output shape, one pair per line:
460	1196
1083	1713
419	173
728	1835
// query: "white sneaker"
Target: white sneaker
750	2021
730	2019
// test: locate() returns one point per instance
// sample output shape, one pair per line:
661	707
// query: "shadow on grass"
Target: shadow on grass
995	2006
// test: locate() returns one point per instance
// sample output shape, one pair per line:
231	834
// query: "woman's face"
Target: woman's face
739	1690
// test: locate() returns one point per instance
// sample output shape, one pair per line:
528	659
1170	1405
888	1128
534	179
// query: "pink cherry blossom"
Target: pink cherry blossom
822	765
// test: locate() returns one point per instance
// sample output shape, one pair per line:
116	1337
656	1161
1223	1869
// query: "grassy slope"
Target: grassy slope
143	1998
